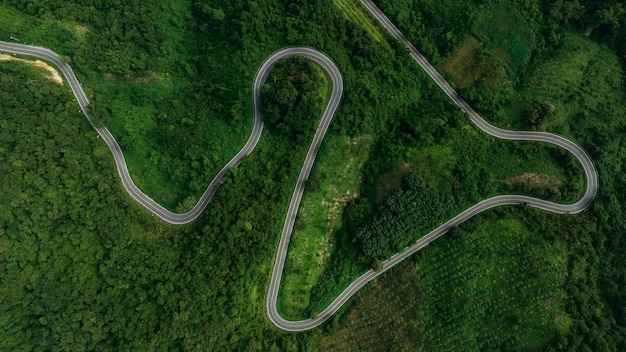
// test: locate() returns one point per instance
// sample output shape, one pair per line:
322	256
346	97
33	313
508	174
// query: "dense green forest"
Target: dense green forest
86	268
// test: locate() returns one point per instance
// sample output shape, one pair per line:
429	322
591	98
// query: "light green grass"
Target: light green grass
506	159
468	66
61	36
462	67
501	41
506	34
354	11
501	160
581	78
337	174
434	163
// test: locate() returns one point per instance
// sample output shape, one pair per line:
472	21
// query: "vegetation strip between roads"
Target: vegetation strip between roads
335	75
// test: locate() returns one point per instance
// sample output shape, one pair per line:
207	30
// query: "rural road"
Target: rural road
335	75
255	135
579	206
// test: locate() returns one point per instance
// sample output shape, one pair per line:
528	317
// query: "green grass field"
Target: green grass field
467	66
334	180
435	165
502	160
462	67
354	11
579	80
508	38
500	43
537	169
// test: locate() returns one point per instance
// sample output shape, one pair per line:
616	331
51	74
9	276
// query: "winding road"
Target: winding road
337	82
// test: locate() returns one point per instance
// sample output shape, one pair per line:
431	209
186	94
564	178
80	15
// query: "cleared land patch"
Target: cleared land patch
434	164
384	319
52	73
335	179
506	34
499	43
535	180
462	65
353	11
468	65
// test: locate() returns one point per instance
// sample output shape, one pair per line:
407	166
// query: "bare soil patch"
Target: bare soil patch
53	74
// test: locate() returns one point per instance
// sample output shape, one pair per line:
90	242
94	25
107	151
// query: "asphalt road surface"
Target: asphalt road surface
129	185
582	204
335	75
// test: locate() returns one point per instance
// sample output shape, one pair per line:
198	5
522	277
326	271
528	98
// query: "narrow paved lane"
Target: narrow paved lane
333	72
255	135
581	205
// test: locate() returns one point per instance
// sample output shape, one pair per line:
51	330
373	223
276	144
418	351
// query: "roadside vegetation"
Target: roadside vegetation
358	14
500	43
334	181
492	284
86	268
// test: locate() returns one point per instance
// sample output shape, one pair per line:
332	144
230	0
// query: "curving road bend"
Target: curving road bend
582	204
333	72
262	73
174	218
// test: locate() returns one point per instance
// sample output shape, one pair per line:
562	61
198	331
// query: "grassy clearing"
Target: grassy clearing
506	34
468	65
334	180
462	67
502	160
501	41
434	163
535	180
354	12
579	81
501	167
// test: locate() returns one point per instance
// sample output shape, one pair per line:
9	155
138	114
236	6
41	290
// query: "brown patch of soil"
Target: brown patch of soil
535	180
52	73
